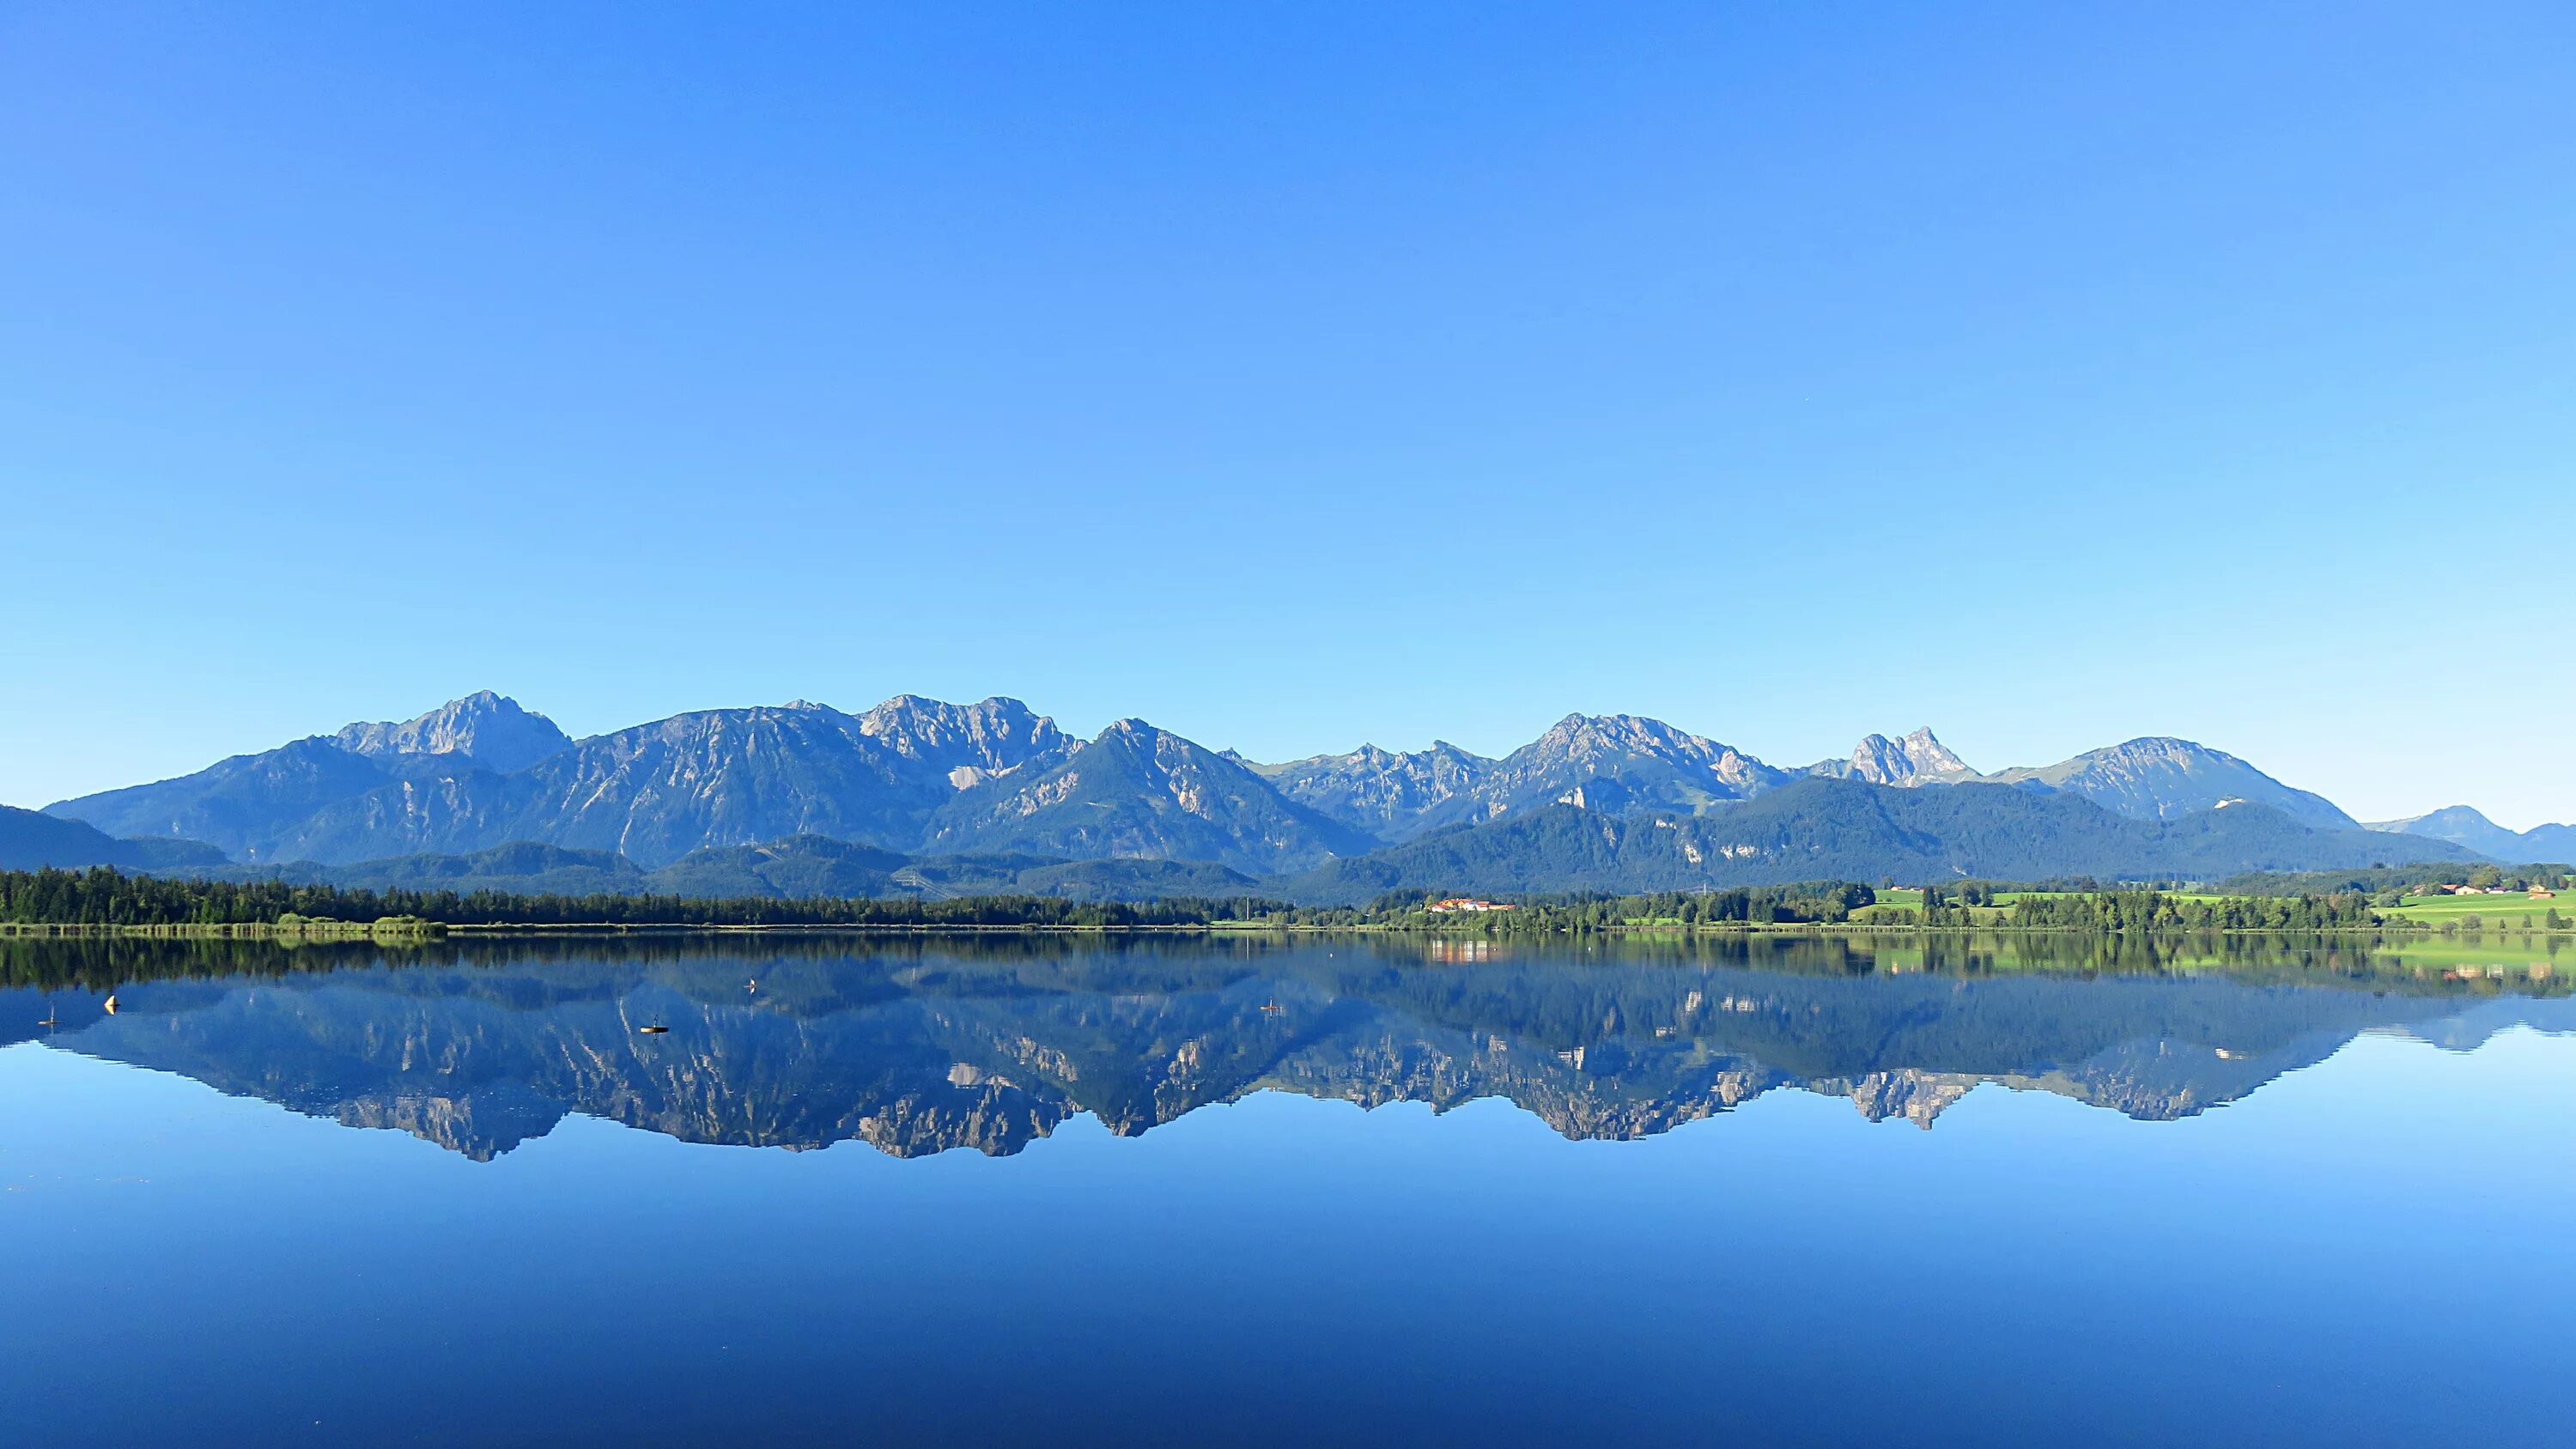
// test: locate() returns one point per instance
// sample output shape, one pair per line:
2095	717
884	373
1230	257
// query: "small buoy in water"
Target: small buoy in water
110	1004
653	1030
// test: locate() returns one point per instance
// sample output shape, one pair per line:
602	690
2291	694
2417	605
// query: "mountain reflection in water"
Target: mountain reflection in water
920	1045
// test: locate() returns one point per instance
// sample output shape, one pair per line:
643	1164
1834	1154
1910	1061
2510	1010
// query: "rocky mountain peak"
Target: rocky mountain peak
1926	750
967	742
489	729
1916	759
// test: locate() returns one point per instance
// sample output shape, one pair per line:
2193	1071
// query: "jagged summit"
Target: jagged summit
488	728
965	743
1918	759
1919	755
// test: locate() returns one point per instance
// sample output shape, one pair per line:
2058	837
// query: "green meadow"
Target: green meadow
2495	914
2505	911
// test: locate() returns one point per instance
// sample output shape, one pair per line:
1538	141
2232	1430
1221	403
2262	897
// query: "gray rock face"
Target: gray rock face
487	728
1917	759
965	744
1389	794
1910	1094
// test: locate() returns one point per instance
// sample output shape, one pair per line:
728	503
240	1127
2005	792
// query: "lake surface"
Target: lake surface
1068	1191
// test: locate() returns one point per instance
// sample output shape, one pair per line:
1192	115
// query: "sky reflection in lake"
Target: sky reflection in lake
2279	1199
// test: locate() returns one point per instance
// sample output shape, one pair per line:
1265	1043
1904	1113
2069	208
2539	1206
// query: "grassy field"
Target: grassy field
1906	898
2507	911
1889	902
2495	913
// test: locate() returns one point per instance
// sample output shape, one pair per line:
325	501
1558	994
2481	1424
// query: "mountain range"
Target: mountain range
2464	826
987	793
920	1047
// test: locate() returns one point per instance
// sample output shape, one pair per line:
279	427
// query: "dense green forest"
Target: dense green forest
2110	911
106	897
103	897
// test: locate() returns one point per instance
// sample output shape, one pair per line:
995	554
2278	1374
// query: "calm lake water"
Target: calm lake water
1067	1192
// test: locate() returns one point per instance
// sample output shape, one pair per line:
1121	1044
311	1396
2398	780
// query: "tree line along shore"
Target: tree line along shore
103	899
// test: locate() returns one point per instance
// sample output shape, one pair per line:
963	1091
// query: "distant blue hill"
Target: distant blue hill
30	840
2463	826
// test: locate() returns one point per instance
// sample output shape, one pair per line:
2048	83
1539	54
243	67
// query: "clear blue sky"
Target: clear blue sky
1295	376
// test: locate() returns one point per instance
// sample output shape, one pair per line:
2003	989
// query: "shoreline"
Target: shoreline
410	935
